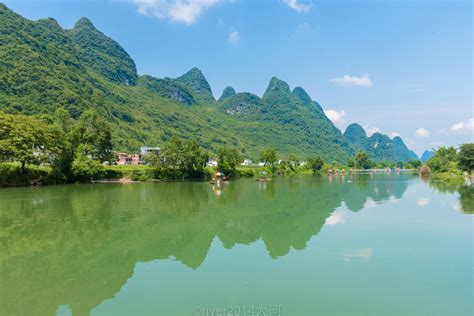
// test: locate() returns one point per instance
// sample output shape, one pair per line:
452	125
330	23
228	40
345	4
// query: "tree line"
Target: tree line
76	150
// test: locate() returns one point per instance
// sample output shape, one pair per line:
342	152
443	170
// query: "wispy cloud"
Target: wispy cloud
335	116
423	201
298	5
233	37
422	132
370	130
363	253
460	128
183	11
346	80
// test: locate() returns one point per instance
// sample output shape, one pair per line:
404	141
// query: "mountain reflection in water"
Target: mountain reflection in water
78	244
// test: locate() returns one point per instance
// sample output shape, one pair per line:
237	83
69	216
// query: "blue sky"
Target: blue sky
401	67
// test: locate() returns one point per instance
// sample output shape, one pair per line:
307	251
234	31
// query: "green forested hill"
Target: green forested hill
378	146
44	67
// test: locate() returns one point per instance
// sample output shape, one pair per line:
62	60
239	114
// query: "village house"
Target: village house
212	163
247	162
128	159
148	150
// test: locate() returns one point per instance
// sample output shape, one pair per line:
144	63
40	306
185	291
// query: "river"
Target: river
372	244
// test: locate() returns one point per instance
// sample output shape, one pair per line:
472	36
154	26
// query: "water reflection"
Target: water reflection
465	191
77	245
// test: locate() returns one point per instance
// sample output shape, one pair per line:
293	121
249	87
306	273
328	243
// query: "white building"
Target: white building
247	162
212	163
148	150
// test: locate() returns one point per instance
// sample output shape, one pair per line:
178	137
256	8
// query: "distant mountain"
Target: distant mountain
228	92
44	67
427	154
380	147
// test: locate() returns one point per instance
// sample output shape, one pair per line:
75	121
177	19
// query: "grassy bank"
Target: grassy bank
11	175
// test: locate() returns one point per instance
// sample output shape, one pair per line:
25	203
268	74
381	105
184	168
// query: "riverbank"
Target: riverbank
11	174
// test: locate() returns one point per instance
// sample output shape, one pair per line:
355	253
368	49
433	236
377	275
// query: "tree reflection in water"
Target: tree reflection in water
78	244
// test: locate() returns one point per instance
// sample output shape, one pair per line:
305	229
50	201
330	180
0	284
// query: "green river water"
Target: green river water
305	245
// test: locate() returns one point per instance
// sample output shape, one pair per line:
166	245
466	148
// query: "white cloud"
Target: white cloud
422	132
370	130
298	6
334	219
346	80
423	202
463	127
184	11
394	134
234	37
335	116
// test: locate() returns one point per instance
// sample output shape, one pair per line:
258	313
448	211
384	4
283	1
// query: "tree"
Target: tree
351	163
315	163
62	126
268	156
413	164
91	129
26	139
195	159
466	157
443	159
228	158
179	159
362	160
293	161
84	167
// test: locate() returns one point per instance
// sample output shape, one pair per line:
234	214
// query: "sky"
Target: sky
399	67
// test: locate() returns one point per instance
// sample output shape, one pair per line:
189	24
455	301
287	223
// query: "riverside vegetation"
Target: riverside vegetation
68	97
58	149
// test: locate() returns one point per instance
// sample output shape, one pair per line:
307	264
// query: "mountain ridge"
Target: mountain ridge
83	68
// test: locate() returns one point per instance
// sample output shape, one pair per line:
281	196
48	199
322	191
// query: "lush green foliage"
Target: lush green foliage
268	156
44	67
73	149
179	159
412	164
315	163
95	132
85	168
26	139
362	161
102	54
378	146
444	159
12	174
466	157
228	158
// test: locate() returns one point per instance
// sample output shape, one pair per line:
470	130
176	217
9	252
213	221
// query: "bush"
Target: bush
11	174
425	170
246	172
84	168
